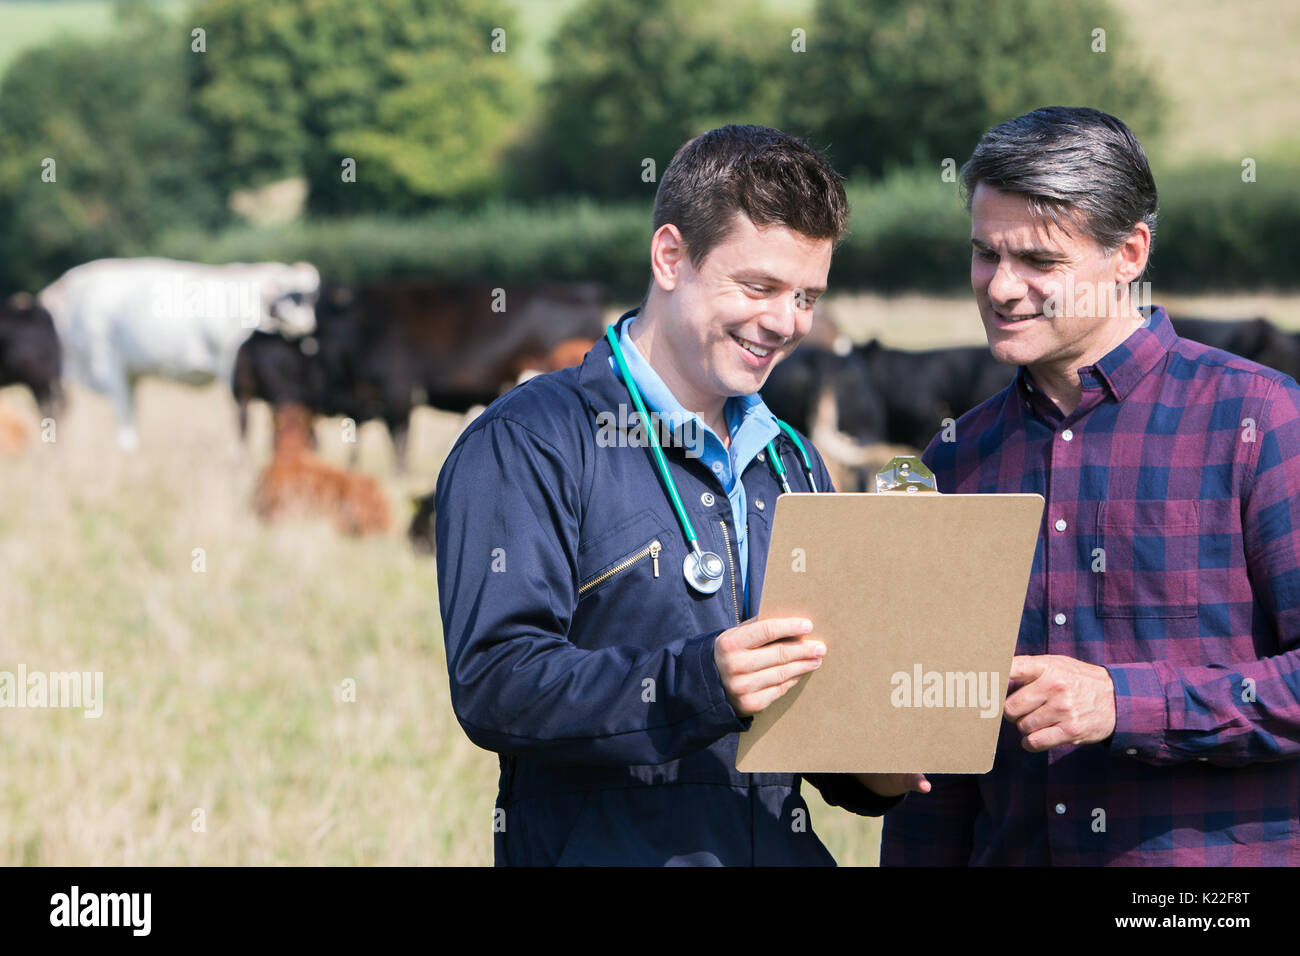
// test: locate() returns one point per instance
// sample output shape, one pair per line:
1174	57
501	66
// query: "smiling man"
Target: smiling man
1153	716
581	648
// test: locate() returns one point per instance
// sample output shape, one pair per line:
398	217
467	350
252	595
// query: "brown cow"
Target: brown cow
298	484
567	354
13	433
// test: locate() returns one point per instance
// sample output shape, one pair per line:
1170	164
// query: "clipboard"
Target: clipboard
918	597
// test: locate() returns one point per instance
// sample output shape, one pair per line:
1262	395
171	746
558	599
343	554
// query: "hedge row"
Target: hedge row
908	232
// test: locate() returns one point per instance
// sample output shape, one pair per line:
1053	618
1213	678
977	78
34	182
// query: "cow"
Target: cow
120	319
13	432
297	484
382	348
567	354
30	353
272	365
863	408
1256	339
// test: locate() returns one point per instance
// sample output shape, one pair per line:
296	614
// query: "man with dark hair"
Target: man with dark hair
597	564
1153	714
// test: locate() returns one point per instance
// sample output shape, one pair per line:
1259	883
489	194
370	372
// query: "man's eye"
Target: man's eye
986	255
761	289
1042	264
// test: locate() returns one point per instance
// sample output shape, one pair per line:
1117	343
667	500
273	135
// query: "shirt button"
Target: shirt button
1060	808
706	499
759	504
1132	751
761	457
1059	619
1060	524
1067	435
717	467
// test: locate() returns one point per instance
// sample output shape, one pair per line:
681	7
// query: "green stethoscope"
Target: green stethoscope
702	569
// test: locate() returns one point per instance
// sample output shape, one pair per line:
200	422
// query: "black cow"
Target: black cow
878	396
1256	339
382	348
884	395
421	528
30	353
283	371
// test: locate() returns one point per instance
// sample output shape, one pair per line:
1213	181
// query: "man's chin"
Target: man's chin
1011	350
748	381
1010	356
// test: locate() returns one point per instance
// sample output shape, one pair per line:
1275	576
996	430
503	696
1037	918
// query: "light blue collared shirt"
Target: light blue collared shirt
749	421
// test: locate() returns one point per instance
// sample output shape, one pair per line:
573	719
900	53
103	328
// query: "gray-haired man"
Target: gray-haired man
1153	714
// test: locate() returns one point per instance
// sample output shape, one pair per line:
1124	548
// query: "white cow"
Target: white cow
119	319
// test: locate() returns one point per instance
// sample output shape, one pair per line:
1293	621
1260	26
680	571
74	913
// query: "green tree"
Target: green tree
898	82
632	81
411	90
128	159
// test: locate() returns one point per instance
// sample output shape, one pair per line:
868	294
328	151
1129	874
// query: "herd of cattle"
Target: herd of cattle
865	404
377	350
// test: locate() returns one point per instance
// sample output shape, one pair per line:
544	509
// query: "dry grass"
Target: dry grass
223	687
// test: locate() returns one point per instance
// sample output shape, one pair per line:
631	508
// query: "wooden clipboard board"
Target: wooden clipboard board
918	597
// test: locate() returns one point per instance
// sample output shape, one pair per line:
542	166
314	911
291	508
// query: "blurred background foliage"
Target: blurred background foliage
529	161
407	88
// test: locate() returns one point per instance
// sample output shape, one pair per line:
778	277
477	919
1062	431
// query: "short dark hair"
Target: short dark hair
1075	165
772	178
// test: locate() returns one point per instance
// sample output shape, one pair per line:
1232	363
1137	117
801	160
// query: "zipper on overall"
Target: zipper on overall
727	539
652	550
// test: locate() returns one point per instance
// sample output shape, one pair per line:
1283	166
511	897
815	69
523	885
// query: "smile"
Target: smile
1014	319
753	349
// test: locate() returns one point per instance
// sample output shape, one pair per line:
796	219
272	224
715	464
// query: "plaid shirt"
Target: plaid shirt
1169	554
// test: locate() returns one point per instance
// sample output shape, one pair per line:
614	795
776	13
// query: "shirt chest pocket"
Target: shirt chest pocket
634	549
1149	550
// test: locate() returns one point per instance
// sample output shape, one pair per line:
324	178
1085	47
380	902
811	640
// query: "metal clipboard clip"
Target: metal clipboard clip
905	474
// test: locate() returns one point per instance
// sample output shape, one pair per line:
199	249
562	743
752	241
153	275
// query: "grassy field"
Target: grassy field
224	687
1231	71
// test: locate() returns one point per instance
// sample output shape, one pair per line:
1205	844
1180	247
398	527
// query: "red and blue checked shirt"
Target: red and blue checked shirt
1169	554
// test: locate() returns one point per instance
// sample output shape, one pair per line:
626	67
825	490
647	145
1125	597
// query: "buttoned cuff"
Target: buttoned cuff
1141	714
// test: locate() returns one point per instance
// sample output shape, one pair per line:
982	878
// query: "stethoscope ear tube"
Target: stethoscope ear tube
658	452
803	453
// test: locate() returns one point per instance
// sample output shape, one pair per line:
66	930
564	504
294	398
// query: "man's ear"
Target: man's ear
667	255
1131	256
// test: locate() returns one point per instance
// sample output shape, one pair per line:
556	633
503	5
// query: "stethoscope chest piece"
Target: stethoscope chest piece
703	571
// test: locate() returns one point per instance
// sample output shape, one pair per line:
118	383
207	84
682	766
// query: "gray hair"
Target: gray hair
1075	166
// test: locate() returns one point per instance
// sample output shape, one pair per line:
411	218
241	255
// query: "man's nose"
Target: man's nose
783	314
1006	286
